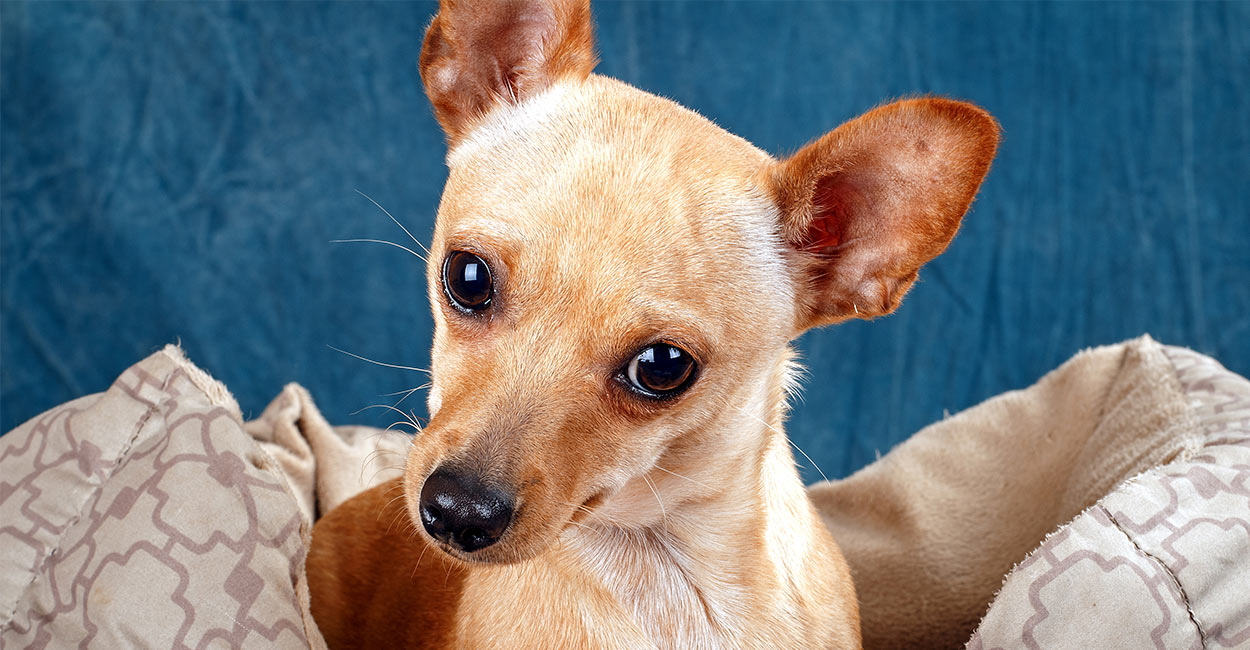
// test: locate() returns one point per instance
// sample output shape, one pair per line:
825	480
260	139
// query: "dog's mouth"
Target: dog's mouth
587	508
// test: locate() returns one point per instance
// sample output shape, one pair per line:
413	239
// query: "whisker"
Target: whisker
663	513
592	529
395	429
419	558
379	241
395	520
408	393
411	420
388	504
599	516
705	485
392	430
383	469
397	223
578	506
388	365
376	453
787	438
406	390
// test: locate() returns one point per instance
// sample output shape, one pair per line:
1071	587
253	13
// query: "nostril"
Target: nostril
429	514
475	538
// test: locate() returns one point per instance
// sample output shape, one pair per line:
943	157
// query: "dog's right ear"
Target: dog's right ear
482	53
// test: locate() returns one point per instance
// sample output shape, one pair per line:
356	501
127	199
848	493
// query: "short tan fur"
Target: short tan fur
612	220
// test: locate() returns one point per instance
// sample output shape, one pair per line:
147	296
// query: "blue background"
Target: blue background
177	171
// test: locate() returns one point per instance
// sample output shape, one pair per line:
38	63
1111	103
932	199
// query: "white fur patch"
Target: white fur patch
759	221
434	401
509	121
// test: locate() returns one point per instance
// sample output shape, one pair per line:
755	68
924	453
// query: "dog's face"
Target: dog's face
610	271
635	286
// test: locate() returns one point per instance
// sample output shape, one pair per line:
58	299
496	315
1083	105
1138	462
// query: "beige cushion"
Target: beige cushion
1163	561
1108	458
151	515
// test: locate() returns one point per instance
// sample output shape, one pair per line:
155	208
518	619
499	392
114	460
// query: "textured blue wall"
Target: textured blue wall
176	172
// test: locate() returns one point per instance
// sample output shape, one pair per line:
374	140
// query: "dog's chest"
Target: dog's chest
674	600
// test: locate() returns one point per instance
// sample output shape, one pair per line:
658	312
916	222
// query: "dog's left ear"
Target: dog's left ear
481	53
866	205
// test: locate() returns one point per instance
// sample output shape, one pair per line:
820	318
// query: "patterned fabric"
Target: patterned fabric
1163	561
146	516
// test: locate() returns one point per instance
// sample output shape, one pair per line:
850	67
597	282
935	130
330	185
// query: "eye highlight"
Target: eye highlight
467	281
660	370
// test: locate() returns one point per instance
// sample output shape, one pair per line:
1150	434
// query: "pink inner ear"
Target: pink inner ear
835	202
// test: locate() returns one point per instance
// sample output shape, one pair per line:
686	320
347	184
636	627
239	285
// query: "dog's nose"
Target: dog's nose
458	509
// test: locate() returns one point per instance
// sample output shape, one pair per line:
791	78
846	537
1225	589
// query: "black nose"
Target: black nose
458	509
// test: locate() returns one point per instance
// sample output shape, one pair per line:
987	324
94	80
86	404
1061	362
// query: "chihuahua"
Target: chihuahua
616	282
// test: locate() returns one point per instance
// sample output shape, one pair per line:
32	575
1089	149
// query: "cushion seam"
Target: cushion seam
1189	609
92	494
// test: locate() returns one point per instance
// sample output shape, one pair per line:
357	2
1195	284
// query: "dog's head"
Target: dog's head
615	279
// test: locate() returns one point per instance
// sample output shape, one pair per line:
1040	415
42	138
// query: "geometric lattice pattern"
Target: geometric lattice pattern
145	516
1163	561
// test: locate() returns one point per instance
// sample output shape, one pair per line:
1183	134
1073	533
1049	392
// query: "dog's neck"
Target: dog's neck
727	533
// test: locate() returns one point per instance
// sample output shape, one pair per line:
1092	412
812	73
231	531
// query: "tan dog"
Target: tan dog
616	282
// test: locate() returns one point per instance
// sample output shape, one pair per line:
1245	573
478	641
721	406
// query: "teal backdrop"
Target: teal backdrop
176	172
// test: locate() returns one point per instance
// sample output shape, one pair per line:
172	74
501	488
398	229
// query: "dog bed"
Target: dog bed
1131	462
152	514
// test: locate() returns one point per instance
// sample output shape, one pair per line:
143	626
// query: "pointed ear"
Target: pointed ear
870	202
480	53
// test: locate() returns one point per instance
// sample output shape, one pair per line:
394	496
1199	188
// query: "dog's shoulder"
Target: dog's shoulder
375	581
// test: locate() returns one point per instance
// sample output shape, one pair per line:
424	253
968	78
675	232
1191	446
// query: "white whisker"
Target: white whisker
787	438
392	431
378	518
388	365
397	223
406	393
663	513
419	558
379	241
596	514
379	471
411	420
376	454
704	485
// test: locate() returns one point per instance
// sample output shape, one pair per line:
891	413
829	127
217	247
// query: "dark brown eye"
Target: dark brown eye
466	278
661	370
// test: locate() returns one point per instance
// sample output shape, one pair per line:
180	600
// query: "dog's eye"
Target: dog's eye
466	278
661	370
